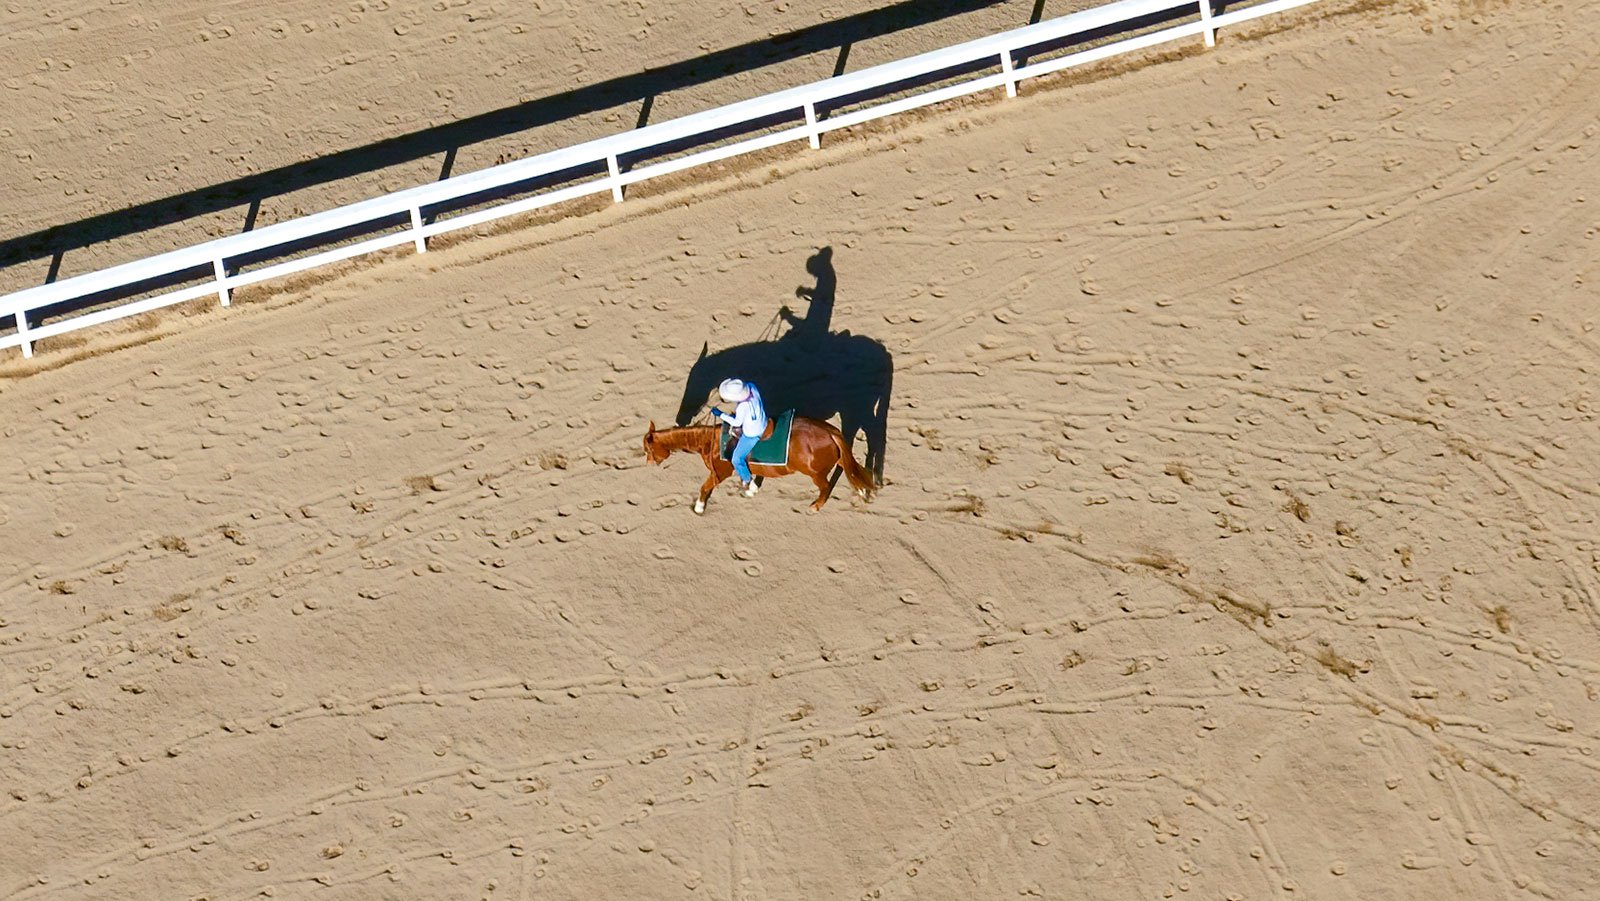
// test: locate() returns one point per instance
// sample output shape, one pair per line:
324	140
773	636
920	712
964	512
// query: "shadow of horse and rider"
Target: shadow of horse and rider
817	372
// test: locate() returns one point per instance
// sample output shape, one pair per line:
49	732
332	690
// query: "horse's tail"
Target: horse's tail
860	480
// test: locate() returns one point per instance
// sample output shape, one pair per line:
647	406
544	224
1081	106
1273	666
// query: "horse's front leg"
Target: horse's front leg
712	481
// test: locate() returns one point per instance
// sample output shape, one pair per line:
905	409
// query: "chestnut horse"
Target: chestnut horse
815	447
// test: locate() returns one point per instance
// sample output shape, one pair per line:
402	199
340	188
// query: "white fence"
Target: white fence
795	103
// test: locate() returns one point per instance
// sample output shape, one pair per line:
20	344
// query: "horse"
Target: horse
815	448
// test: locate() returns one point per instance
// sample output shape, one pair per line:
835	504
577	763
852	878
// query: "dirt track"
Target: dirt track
140	130
1240	538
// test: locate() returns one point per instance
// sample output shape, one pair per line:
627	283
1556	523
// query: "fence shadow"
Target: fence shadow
811	368
446	140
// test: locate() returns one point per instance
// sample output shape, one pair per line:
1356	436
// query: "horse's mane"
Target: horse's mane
700	439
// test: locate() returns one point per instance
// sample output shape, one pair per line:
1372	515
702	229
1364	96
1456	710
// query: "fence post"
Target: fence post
1006	67
616	178
1205	22
416	227
22	333
222	280
811	123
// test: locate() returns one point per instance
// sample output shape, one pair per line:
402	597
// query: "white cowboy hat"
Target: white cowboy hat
733	391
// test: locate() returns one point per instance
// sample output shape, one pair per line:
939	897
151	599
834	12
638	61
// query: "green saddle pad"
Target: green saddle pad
772	451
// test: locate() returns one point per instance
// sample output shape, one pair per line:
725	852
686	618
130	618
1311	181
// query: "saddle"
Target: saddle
729	439
773	448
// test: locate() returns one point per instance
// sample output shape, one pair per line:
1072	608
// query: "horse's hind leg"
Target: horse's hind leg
824	489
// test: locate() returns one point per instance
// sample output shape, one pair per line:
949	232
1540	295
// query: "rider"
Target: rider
749	421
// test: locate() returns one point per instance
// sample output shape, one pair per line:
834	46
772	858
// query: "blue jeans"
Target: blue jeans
741	457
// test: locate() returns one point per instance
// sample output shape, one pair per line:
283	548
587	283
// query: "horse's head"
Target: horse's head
654	451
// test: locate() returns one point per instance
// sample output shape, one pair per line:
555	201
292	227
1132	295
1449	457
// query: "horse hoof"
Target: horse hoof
700	508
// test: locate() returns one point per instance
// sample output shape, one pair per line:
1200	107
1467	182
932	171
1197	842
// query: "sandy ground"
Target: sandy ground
111	105
1239	542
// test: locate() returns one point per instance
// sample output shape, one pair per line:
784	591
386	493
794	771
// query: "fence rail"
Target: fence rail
801	103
